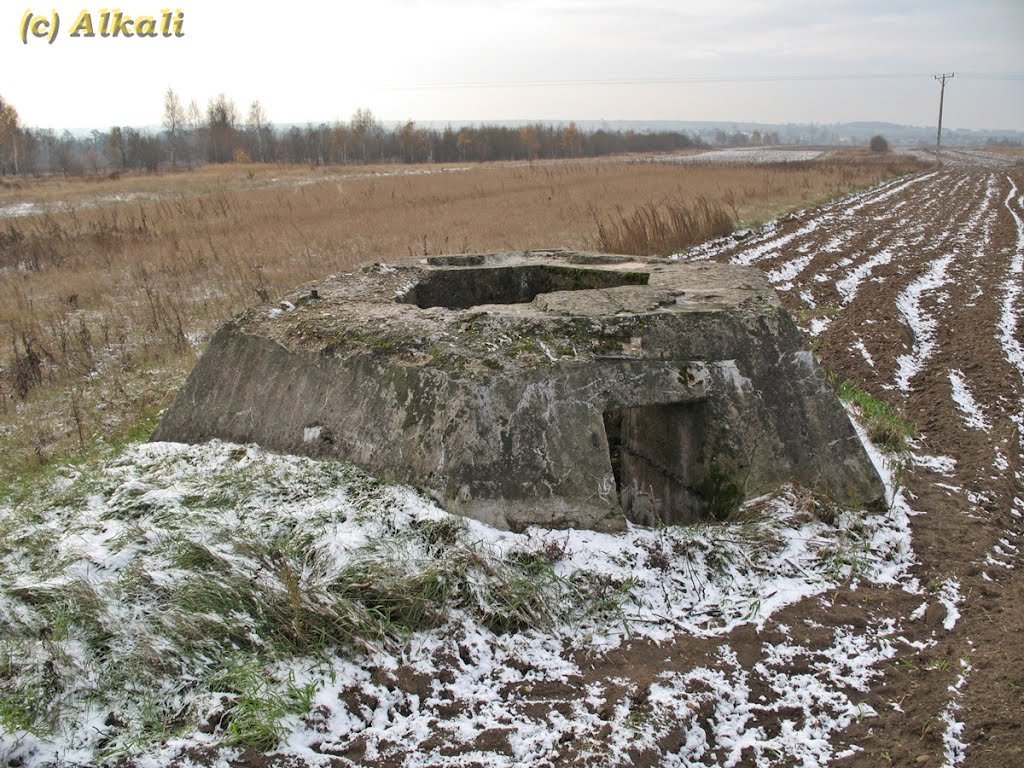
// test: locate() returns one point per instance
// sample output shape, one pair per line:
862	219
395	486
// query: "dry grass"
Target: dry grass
660	229
104	302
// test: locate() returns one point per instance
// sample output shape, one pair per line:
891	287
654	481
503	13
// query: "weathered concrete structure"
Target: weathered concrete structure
549	388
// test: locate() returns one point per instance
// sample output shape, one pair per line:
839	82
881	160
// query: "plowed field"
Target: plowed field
914	291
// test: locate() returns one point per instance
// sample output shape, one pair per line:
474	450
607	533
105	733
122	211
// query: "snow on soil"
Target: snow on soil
950	597
765	243
954	749
770	246
890	190
136	545
922	325
1014	353
1012	288
859	346
850	283
957	157
970	411
911	303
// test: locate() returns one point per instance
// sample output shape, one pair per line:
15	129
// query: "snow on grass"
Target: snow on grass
970	411
818	325
897	537
743	155
181	596
14	210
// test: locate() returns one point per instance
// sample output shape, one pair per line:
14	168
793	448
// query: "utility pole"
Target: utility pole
942	92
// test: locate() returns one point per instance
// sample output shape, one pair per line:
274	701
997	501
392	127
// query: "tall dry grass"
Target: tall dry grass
660	229
105	301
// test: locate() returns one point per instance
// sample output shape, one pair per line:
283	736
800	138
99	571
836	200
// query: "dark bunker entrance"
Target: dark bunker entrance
657	458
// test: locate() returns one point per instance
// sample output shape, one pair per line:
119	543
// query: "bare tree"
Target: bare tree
174	122
257	127
572	140
196	129
117	148
530	141
365	126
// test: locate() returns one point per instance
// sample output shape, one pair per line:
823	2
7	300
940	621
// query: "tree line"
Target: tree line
220	133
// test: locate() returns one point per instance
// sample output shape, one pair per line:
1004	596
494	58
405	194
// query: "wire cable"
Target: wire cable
697	80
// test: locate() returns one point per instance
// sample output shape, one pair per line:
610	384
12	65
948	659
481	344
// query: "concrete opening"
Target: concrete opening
657	458
465	288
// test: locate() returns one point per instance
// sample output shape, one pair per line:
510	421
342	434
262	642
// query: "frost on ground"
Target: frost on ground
182	597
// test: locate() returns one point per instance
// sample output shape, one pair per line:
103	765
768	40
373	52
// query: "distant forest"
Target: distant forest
220	134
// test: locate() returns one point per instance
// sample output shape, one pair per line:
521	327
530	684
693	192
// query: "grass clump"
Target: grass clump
253	707
885	427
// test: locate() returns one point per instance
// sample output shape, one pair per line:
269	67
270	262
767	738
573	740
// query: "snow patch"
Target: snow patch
954	749
849	285
922	325
859	346
950	597
970	411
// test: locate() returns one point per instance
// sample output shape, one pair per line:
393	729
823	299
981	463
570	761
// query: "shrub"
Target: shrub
879	144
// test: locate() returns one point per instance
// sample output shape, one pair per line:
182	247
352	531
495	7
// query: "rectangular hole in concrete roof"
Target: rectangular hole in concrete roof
464	288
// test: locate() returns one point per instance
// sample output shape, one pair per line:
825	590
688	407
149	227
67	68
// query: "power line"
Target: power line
696	80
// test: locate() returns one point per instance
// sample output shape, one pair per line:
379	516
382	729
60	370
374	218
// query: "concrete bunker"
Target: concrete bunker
549	388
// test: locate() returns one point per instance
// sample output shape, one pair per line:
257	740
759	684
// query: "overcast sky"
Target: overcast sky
534	59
